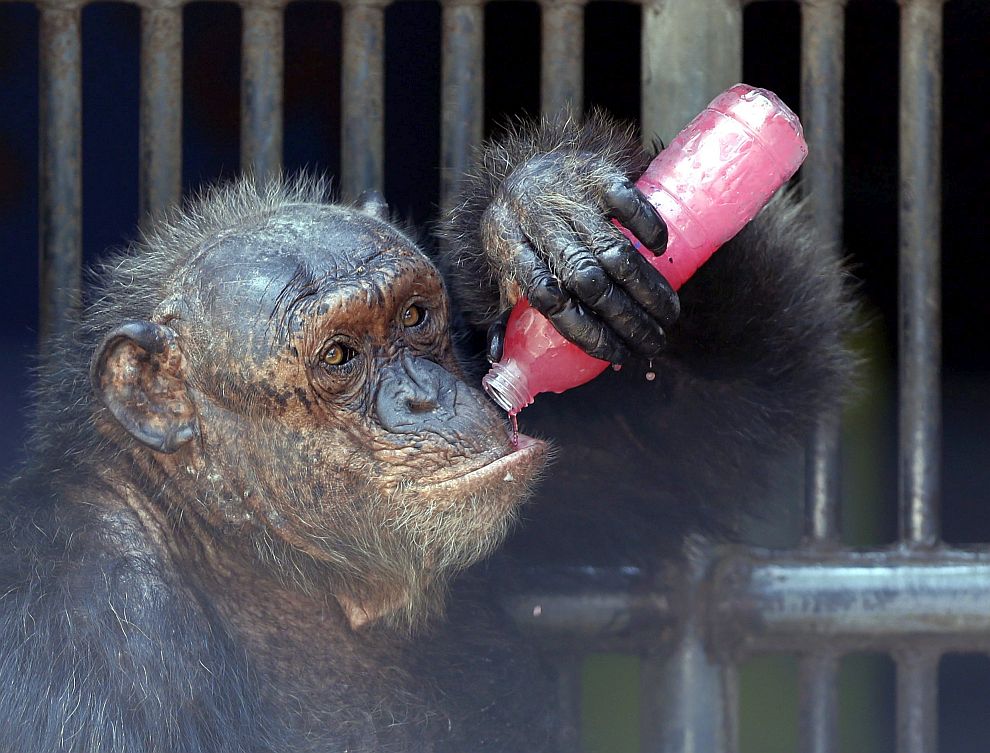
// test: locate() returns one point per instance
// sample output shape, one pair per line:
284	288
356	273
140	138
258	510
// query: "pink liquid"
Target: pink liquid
712	179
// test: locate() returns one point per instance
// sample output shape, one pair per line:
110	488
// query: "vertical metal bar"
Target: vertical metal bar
363	95
261	88
691	52
920	279
822	483
60	84
917	702
562	61
687	699
462	91
822	32
687	704
160	181
569	688
818	703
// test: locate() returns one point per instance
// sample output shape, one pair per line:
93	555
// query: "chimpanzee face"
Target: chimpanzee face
303	362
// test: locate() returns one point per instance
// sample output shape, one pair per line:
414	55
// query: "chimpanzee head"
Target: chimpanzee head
292	393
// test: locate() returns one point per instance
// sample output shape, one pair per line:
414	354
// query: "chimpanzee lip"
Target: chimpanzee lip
526	451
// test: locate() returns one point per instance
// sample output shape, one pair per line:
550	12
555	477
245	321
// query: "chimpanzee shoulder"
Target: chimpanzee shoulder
102	648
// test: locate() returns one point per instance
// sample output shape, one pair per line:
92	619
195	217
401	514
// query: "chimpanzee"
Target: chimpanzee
260	458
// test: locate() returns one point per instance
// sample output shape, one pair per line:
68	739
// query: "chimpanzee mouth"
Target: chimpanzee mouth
518	465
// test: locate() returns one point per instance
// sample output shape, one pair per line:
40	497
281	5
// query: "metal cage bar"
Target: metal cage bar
60	83
691	51
920	279
917	698
916	601
160	167
562	61
362	97
262	51
462	94
822	31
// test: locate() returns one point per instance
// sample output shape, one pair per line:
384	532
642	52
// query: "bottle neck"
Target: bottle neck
507	385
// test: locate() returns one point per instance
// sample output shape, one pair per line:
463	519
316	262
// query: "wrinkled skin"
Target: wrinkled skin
258	464
548	233
316	390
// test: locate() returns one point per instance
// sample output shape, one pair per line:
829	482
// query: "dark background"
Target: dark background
612	79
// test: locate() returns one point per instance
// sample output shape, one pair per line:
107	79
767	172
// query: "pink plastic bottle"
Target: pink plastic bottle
712	179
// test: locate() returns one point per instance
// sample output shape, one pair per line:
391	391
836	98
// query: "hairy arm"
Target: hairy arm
755	357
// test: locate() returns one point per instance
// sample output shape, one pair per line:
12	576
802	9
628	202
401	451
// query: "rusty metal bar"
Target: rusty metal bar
362	97
691	52
920	278
818	703
562	56
60	84
262	60
462	91
160	170
822	32
917	701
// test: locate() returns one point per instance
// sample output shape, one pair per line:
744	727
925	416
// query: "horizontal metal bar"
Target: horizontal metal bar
851	601
758	600
595	608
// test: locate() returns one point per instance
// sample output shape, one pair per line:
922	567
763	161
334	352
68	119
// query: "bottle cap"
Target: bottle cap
506	384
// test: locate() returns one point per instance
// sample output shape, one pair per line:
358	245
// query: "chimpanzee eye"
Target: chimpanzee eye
413	315
338	354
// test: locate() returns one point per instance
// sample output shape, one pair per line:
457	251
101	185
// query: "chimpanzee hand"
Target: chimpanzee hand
548	235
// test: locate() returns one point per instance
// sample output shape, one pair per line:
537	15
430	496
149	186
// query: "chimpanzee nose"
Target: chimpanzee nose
418	396
414	395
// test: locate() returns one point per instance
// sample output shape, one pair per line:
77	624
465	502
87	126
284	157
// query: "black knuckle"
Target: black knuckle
619	192
591	283
620	261
545	294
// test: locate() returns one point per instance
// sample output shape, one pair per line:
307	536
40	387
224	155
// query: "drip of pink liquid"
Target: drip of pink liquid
713	178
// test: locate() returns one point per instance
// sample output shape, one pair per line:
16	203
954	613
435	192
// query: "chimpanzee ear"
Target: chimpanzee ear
139	373
373	203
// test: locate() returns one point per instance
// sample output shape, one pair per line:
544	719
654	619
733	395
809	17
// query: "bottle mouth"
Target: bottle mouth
506	385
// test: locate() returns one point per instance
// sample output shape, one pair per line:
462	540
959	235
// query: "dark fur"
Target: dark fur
106	648
757	355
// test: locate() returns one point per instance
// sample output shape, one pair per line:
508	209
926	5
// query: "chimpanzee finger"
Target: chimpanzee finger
574	321
628	205
642	282
630	270
496	337
585	278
